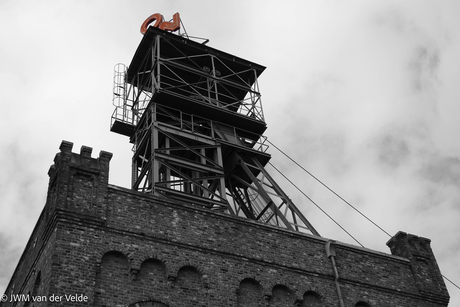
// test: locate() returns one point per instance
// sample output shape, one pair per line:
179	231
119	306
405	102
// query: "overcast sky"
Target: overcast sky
363	94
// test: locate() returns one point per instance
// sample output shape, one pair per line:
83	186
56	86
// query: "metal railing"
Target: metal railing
203	126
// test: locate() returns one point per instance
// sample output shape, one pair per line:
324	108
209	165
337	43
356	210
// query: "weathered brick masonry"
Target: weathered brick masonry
118	248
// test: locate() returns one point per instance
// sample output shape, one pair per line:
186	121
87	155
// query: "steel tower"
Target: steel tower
195	119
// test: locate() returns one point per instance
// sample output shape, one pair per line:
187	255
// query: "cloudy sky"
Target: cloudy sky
363	94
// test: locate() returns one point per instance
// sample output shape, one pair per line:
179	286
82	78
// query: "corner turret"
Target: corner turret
78	182
427	275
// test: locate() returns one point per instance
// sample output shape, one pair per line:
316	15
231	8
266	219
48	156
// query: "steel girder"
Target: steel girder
196	126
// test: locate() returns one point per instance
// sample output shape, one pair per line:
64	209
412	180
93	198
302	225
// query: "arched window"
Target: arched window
189	277
282	296
190	287
37	284
311	299
152	271
113	273
250	293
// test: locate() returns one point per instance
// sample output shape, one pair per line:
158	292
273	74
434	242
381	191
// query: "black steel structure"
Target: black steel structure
195	119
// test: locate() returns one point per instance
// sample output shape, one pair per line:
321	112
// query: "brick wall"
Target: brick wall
118	247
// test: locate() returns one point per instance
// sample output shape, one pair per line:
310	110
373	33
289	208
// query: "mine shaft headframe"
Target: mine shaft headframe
194	116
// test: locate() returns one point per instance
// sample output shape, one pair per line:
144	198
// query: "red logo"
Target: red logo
161	24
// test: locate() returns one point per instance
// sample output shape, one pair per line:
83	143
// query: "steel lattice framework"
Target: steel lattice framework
195	118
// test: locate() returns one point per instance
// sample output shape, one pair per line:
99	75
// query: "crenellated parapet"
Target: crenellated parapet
78	182
425	270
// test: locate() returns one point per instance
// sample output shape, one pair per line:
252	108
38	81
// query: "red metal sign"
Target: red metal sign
161	24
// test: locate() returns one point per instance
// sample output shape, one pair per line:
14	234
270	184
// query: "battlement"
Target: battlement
426	272
83	160
78	182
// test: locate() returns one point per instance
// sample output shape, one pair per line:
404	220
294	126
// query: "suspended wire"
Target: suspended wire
450	281
315	204
323	184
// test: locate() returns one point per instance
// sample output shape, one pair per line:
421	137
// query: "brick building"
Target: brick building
170	240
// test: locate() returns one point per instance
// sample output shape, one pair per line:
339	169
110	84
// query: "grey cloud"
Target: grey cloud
445	171
424	62
393	18
424	67
333	146
402	142
393	150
